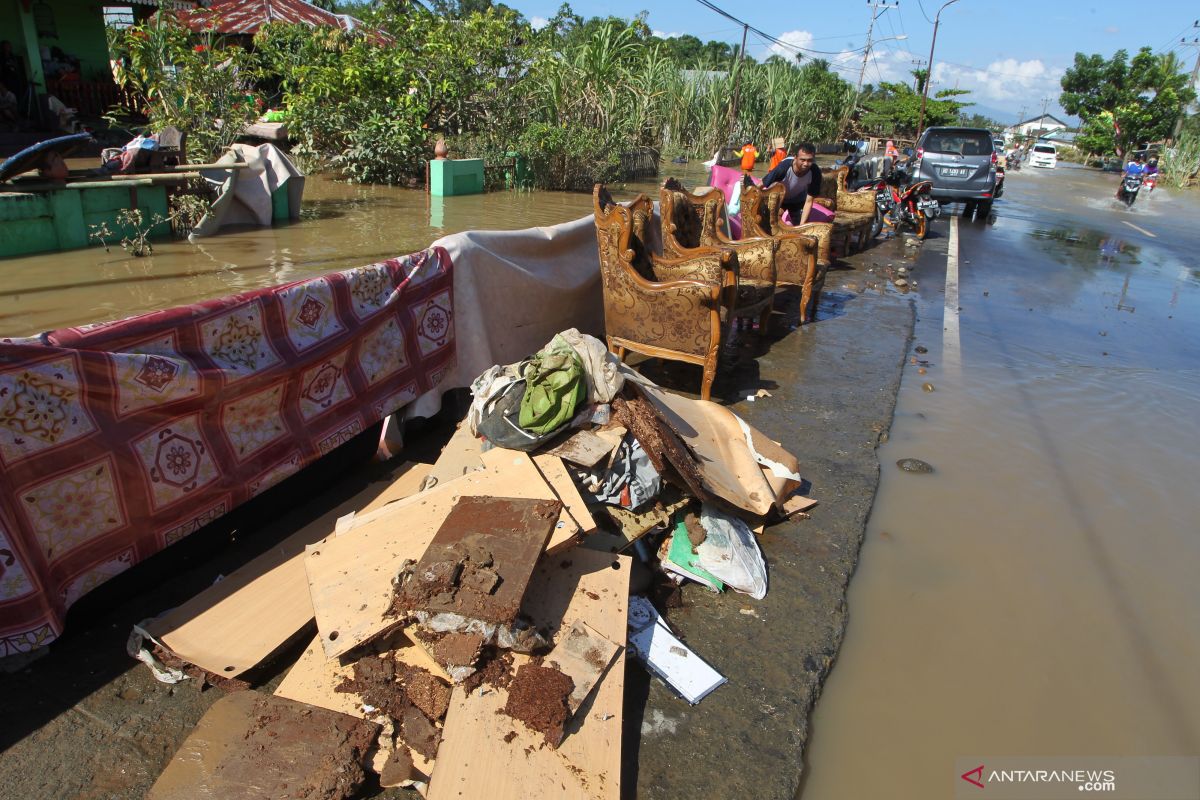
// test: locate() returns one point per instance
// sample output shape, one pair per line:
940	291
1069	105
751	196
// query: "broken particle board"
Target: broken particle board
250	745
489	754
480	560
233	625
636	524
583	655
729	452
462	454
405	484
555	473
583	448
350	576
314	679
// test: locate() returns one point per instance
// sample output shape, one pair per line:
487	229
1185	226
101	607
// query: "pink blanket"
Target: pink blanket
118	439
726	178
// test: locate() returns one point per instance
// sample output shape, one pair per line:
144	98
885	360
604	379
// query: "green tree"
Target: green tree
979	121
894	108
1124	103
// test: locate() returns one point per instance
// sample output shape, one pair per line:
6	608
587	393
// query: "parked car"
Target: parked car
1043	155
960	163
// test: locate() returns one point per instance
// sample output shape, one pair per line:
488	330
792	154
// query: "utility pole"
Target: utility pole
1195	42
875	5
737	77
918	63
925	94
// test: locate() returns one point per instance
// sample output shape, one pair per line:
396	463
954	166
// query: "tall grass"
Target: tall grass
1180	165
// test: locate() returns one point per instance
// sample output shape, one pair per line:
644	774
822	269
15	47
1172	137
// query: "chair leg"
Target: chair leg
764	318
710	373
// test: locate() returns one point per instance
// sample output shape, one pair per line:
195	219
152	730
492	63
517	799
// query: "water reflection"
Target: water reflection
1081	246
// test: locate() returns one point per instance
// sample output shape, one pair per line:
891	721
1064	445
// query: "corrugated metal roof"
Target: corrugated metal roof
247	16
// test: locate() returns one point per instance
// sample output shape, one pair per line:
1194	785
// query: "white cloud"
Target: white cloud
793	38
1112	29
537	23
1006	80
662	35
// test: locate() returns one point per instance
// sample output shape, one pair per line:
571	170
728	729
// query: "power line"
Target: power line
923	14
764	34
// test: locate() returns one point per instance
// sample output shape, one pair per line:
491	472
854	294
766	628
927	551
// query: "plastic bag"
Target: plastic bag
730	553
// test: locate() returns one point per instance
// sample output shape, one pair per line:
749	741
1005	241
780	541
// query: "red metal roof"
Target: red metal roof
247	16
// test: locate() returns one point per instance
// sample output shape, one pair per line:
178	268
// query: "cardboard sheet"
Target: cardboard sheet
476	761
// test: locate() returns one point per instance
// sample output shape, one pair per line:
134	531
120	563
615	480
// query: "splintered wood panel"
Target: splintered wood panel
313	680
726	463
250	745
475	760
350	576
498	538
555	473
233	625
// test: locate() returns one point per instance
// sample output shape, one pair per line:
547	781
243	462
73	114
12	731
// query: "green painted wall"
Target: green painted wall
39	222
80	26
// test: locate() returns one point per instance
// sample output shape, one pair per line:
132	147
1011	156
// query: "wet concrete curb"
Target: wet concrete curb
834	386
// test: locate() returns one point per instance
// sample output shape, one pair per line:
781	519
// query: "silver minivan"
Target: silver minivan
959	162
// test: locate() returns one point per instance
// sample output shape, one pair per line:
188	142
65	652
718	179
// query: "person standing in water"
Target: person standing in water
748	154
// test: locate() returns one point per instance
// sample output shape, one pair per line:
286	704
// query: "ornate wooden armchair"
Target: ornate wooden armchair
798	262
662	307
854	212
692	221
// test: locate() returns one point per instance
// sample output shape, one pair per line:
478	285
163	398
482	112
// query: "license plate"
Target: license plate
927	205
955	172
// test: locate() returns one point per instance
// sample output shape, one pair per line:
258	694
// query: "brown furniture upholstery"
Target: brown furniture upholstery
798	262
854	212
693	221
659	306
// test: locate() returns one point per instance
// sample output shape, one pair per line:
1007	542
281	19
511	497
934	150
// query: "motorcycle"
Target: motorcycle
901	204
1013	162
1127	192
1149	182
999	190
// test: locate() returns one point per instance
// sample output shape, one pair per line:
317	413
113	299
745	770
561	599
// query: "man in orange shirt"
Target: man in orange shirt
748	154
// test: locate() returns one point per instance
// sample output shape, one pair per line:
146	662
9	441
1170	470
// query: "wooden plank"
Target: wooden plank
350	576
489	754
313	680
555	473
406	482
233	625
584	655
583	448
462	454
248	746
480	560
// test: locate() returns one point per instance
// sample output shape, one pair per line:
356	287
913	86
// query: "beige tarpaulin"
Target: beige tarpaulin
246	194
513	290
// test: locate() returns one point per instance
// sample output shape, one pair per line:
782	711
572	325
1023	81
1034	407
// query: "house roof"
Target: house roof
1042	118
247	16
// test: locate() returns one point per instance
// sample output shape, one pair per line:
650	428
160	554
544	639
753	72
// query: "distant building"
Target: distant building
1038	126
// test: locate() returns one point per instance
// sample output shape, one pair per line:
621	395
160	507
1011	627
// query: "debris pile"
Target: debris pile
475	614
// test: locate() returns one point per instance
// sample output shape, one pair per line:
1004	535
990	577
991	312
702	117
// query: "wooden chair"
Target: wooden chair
797	262
854	212
696	220
660	306
769	214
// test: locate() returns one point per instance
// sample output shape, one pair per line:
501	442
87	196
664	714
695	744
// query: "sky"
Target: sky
1010	55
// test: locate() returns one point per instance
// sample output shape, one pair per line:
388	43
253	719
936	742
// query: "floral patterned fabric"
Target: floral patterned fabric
120	438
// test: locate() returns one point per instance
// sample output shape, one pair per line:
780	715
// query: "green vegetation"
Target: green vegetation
1125	104
573	96
1180	165
895	108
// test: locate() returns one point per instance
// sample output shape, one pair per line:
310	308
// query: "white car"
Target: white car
1043	155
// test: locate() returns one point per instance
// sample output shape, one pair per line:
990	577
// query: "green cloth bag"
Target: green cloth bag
554	388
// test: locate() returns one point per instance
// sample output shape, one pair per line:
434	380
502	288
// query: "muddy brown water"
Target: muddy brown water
341	225
1036	595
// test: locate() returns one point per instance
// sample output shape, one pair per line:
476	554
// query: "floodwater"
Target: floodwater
341	225
1037	595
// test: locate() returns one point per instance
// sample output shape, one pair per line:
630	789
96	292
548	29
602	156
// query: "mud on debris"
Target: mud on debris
538	697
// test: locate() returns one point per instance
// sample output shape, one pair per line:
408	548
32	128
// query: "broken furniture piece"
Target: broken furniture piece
667	657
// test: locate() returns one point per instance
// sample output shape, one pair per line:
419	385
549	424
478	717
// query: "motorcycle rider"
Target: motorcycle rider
1135	166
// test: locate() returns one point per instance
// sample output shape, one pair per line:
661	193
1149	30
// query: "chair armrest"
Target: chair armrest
710	264
756	258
